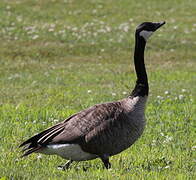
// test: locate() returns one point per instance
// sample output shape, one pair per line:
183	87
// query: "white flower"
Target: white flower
108	29
124	92
124	27
51	29
8	7
74	29
183	41
39	156
55	120
181	96
166	92
159	97
113	94
161	134
175	27
193	148
52	25
173	20
186	31
94	11
168	139
153	142
183	90
89	91
35	37
95	34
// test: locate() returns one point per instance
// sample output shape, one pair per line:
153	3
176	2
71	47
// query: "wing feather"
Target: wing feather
74	128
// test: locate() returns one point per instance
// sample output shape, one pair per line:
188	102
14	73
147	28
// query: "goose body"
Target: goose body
102	130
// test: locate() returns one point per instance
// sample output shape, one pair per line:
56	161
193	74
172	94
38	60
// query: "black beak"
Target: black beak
158	25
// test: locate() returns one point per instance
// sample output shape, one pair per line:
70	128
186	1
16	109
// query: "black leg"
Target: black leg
66	165
105	160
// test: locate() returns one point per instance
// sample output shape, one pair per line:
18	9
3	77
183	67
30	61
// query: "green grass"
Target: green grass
59	57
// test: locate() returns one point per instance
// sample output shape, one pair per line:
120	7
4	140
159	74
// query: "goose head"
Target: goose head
146	29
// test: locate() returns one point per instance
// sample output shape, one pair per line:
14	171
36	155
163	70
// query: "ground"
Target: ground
59	57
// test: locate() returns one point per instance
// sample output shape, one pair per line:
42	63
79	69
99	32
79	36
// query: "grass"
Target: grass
59	57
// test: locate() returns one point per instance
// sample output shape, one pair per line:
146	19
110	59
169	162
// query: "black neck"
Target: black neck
141	87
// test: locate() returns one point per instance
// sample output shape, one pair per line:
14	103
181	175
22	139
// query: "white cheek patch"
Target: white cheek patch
146	34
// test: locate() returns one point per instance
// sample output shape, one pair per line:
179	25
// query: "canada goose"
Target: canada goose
102	130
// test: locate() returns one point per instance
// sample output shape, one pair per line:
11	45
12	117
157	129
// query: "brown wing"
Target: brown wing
109	137
73	129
